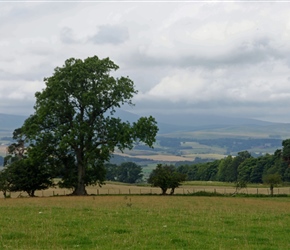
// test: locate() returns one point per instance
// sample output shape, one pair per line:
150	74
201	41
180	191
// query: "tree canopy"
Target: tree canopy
166	177
74	127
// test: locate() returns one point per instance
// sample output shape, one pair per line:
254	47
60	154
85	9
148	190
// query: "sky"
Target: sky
224	58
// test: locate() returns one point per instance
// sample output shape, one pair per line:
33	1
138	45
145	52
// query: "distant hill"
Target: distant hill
178	124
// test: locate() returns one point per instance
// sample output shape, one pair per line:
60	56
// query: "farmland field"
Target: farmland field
144	222
3	150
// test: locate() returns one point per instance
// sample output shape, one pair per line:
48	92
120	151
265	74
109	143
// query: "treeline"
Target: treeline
243	167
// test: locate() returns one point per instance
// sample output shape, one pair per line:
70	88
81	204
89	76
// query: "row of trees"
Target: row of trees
242	168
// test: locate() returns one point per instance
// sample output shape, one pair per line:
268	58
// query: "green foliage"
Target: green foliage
286	150
25	175
272	180
73	120
23	169
243	167
129	172
166	177
224	168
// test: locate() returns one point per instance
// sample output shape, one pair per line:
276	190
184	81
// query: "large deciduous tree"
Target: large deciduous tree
74	122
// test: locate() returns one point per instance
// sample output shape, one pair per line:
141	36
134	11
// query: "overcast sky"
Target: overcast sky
228	58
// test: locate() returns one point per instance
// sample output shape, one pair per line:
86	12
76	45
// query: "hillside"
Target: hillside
187	138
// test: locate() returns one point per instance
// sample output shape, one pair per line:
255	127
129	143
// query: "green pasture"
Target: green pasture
145	222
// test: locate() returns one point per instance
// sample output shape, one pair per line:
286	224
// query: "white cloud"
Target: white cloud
193	57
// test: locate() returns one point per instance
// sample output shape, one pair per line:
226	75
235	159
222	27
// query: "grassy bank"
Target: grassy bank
144	222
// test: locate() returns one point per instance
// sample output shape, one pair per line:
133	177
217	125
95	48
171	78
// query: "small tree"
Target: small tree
24	169
240	185
272	180
166	177
25	175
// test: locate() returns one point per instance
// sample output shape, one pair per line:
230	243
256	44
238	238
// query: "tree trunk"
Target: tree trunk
81	188
272	189
31	193
172	191
164	191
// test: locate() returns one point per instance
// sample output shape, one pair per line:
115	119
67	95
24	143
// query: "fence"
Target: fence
111	189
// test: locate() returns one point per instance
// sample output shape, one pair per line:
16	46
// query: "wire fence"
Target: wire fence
135	190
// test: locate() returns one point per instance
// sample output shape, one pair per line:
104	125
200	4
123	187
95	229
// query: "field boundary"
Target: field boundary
111	189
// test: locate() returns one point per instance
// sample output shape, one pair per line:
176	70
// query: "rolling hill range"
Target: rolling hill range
187	138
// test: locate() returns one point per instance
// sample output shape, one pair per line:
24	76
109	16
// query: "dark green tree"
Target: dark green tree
207	171
286	151
111	170
224	169
129	172
25	175
166	177
190	171
24	169
262	163
245	169
74	118
233	168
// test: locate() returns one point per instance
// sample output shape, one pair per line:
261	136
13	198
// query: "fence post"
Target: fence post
129	191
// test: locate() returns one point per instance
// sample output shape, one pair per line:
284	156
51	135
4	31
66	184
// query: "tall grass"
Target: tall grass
144	222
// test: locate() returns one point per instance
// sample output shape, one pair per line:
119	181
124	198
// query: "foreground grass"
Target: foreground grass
144	222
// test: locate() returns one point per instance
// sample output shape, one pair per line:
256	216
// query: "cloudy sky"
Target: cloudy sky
228	58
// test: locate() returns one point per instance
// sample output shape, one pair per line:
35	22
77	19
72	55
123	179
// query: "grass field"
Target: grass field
144	222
